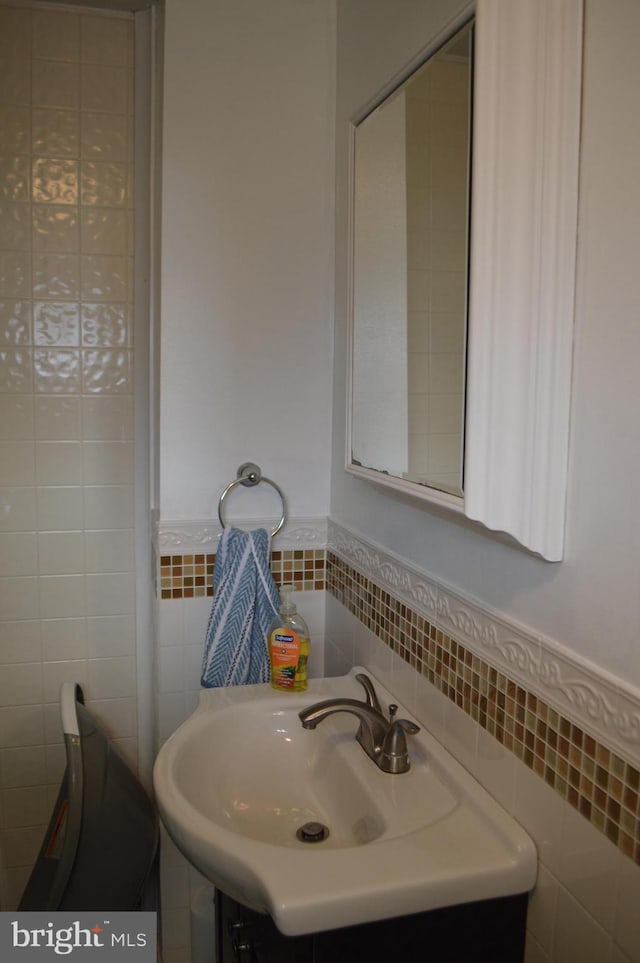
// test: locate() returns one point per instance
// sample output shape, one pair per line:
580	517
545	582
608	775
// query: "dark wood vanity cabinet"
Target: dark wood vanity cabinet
490	931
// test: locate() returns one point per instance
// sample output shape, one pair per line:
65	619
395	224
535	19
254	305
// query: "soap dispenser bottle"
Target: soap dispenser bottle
288	640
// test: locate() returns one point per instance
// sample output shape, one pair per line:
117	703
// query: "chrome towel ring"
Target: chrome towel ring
249	475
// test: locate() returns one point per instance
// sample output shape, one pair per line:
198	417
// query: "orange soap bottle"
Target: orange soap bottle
289	644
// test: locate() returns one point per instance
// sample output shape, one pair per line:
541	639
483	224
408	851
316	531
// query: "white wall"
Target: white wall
588	602
246	308
247	208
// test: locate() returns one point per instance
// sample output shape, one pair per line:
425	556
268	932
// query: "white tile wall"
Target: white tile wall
66	398
585	904
181	631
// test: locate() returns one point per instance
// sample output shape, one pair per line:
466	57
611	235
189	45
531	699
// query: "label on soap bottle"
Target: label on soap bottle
284	648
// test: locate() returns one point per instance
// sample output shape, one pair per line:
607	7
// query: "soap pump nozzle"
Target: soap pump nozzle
287	606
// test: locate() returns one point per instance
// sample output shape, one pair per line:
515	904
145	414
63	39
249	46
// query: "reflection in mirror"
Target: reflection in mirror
410	258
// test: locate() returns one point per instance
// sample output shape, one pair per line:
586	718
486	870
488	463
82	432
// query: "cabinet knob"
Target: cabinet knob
243	950
240	930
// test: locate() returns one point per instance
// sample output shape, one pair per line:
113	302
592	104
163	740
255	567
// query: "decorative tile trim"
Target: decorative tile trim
201	535
591	697
601	783
191	575
304	568
186	576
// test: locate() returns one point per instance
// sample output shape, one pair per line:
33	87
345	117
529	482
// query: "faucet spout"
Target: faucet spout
373	725
373	733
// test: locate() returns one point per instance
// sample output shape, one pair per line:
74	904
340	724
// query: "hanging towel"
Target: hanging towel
245	602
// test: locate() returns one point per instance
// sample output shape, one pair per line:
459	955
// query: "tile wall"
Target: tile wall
598	782
183	614
576	791
185	589
66	398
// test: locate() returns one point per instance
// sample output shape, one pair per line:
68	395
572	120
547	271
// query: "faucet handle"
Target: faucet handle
407	726
394	756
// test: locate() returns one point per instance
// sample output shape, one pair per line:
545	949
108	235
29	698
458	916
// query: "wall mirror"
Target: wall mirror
411	201
491	441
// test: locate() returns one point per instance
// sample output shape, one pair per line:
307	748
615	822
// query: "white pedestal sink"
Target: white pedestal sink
240	777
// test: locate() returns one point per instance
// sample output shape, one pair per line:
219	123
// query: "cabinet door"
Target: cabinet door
244	936
471	933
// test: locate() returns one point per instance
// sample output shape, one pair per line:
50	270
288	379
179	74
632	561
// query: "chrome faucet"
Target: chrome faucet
382	739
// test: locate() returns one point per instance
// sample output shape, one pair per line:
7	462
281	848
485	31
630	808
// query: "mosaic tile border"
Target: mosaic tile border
186	576
595	780
191	575
592	698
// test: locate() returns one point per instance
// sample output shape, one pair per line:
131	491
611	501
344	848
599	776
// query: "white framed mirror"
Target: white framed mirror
512	432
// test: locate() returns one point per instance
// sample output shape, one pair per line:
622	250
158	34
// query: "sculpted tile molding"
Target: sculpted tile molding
180	537
592	698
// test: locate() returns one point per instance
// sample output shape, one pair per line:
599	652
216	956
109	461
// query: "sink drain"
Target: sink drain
312	833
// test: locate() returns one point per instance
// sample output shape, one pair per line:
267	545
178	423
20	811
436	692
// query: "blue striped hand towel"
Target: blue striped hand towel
245	602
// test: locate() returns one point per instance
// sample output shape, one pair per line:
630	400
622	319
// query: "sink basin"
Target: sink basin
259	774
240	778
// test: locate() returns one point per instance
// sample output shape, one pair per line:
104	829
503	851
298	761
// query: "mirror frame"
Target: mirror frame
524	211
